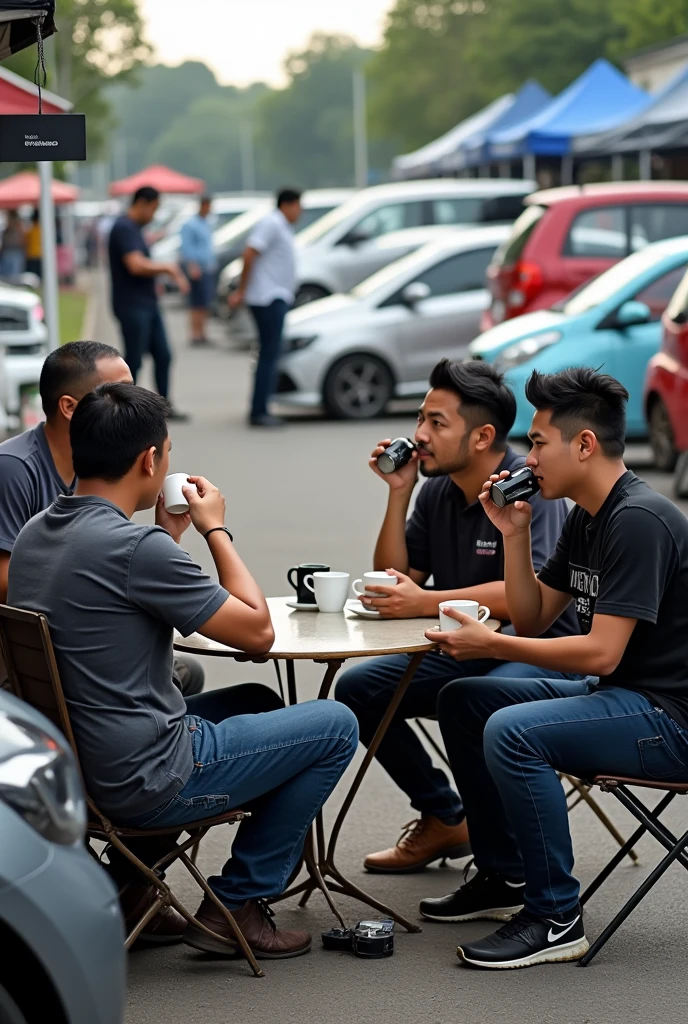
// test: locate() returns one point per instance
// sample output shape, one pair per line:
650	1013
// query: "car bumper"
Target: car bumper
16	371
68	914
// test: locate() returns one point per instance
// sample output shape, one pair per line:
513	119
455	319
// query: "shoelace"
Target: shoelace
410	831
517	925
267	912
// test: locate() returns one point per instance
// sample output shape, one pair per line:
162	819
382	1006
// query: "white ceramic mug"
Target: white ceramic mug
330	589
173	495
373	579
472	608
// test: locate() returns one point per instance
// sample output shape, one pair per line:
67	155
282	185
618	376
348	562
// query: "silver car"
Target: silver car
353	353
61	930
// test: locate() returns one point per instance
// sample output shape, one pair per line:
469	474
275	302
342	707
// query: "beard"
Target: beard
457	465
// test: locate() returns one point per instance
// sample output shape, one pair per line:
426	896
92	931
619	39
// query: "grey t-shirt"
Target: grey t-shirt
29	482
112	592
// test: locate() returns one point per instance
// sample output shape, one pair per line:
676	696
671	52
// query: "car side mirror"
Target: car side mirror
631	313
354	238
415	292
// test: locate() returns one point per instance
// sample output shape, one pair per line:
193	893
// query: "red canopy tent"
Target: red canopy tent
25	189
19	96
160	177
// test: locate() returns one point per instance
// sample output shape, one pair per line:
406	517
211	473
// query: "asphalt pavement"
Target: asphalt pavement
305	494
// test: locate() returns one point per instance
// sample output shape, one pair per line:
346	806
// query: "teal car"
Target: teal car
611	323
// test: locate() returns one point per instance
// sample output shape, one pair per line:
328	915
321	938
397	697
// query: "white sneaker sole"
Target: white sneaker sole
495	914
556	954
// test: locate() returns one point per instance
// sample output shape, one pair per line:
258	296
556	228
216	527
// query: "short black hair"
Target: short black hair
205	199
70	370
580	398
112	425
146	193
287	195
484	396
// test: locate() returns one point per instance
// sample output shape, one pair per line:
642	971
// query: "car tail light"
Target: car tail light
526	282
37	312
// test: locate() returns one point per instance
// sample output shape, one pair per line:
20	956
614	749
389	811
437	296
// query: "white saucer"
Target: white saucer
310	607
355	606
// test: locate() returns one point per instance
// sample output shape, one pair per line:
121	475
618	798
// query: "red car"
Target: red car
666	391
566	236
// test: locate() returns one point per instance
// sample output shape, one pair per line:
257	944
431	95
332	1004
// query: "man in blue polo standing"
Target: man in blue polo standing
198	263
267	286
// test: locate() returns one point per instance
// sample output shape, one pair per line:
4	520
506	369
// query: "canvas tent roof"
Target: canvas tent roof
530	99
662	124
17	25
160	177
598	100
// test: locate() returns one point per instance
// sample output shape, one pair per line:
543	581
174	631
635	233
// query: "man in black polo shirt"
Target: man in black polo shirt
461	437
134	298
622	561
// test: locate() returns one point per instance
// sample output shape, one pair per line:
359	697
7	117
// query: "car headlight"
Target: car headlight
525	349
296	344
39	780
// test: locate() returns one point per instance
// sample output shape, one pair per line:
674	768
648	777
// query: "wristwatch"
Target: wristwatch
215	528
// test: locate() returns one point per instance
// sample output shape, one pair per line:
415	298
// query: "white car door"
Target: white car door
357	255
442	325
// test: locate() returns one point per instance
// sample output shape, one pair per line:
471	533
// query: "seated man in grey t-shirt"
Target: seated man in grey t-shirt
113	592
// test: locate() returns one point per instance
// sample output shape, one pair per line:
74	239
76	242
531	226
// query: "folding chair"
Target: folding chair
649	822
27	650
577	793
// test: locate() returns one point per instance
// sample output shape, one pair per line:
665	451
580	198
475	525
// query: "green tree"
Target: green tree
645	23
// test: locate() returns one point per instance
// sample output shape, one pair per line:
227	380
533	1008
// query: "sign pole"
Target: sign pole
49	255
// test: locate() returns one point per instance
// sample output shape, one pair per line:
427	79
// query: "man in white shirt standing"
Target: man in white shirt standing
267	286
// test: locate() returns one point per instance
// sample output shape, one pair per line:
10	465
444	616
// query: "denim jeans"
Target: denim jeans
507	740
280	766
368	688
269	321
144	332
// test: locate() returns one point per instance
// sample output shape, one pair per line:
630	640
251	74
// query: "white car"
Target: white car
353	353
23	348
224	209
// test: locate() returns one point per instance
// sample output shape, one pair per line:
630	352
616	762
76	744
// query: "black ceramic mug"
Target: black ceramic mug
303	594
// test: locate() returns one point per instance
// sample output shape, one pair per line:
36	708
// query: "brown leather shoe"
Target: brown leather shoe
166	928
423	841
255	919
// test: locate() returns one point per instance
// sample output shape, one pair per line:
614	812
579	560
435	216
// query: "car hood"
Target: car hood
335	310
511	331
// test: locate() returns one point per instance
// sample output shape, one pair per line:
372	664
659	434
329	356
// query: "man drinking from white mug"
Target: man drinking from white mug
461	438
622	562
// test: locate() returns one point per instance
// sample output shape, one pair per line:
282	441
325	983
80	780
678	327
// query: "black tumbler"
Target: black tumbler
396	456
520	486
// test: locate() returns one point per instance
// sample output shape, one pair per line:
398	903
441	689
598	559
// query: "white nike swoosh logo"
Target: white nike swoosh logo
552	936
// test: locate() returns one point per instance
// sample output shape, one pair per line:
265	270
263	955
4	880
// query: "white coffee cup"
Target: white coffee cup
373	579
173	495
472	608
330	589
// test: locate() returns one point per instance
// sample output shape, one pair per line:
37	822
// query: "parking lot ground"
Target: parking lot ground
305	494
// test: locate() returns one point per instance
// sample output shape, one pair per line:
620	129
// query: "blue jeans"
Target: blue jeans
281	766
144	332
506	741
368	688
269	321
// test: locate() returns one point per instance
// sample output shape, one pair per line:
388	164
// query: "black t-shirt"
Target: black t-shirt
631	560
458	546
128	289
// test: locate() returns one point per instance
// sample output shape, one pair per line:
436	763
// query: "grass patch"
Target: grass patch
72	312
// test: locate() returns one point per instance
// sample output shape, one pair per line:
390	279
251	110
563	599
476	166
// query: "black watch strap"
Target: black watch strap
215	528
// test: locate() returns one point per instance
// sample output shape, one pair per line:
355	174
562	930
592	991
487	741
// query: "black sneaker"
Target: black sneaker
529	940
485	897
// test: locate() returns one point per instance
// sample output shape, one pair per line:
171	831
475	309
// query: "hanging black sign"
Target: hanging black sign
28	137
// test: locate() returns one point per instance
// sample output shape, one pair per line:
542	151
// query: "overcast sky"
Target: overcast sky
246	40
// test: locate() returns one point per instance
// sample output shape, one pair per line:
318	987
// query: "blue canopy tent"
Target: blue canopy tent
530	99
600	99
663	124
426	161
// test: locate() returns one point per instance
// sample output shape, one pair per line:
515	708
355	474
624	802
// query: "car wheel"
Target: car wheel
358	387
662	436
309	293
9	1011
681	476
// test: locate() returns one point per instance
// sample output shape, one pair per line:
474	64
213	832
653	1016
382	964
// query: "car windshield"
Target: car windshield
394	273
332	219
607	284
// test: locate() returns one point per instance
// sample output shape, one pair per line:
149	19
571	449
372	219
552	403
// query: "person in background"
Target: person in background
134	297
13	247
34	250
198	263
267	286
36	466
